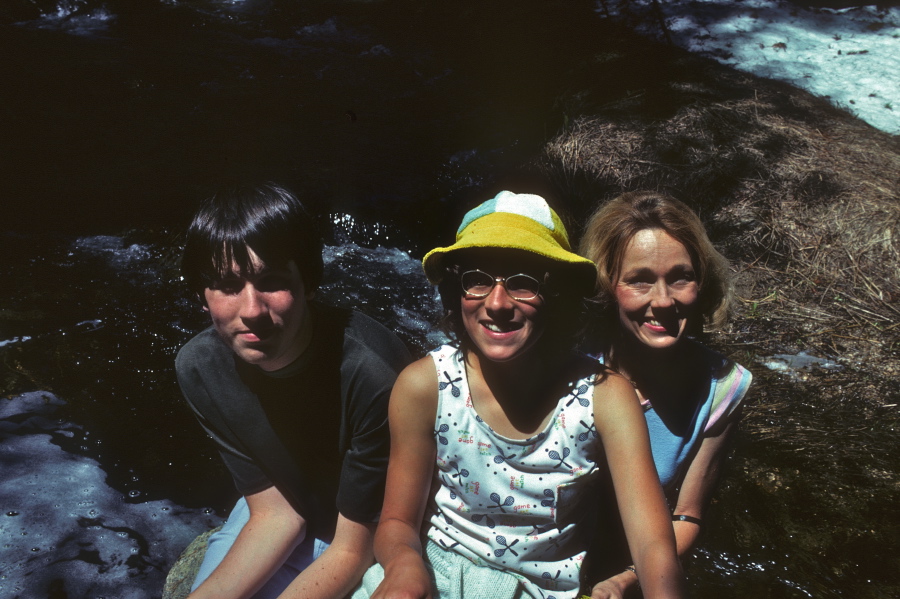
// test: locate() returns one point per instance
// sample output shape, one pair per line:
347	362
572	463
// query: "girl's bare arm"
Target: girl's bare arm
398	547
623	431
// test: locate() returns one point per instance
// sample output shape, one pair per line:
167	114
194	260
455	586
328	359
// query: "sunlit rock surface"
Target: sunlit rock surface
63	531
183	573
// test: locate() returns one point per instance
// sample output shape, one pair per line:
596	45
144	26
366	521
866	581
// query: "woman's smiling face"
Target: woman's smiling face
656	289
500	327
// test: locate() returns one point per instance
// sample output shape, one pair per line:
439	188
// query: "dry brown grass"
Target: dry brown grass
803	198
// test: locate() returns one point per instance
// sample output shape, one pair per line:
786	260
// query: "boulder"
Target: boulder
183	572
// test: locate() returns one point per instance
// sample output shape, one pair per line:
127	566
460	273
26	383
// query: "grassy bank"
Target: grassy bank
804	200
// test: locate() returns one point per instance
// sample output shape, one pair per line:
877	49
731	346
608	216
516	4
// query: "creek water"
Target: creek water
383	115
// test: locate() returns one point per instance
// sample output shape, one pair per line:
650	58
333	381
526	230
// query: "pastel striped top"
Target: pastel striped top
674	441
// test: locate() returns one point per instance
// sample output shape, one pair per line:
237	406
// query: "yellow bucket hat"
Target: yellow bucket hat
517	221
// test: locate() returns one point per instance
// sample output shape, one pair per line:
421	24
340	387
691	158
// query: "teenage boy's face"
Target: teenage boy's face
262	315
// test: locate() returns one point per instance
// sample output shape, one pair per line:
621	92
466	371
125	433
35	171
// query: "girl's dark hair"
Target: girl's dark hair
265	218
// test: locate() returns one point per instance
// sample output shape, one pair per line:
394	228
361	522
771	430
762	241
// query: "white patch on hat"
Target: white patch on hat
525	204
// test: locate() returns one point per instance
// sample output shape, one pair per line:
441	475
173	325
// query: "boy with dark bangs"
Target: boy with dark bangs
293	392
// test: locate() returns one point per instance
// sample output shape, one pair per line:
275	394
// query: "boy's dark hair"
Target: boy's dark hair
266	218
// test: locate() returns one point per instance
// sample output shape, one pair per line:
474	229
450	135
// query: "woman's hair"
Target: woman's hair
265	218
615	224
563	294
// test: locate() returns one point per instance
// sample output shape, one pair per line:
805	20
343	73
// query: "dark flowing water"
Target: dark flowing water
121	115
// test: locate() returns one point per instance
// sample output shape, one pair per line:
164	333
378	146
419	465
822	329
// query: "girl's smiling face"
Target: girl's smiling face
656	289
500	327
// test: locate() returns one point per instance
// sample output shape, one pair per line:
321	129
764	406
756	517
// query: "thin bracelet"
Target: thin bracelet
633	571
683	518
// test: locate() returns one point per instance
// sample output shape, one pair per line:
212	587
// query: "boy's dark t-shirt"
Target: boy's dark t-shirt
316	429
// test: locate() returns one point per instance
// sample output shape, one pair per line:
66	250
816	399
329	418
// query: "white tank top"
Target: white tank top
513	504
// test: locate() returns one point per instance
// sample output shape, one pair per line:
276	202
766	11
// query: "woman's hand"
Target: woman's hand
405	578
613	587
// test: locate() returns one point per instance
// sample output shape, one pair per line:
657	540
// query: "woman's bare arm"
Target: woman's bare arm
700	482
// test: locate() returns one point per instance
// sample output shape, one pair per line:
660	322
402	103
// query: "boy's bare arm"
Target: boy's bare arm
273	530
340	568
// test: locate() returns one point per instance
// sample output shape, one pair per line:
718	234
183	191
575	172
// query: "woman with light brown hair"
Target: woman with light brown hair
659	280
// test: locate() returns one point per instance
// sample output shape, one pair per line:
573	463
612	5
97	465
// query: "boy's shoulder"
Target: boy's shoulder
204	351
365	336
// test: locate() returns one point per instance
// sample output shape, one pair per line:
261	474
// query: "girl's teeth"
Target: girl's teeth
492	327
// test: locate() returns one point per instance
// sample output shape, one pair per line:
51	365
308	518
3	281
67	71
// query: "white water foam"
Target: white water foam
113	249
75	17
384	281
14	340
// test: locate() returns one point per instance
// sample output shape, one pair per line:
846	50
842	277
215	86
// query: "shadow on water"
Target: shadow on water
807	507
368	108
387	115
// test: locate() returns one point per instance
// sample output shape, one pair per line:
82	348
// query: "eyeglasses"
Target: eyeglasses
477	283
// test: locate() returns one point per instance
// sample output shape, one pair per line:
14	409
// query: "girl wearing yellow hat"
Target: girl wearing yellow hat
500	439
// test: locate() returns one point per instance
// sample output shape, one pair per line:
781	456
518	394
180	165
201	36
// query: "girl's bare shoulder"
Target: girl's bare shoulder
420	371
612	389
417	385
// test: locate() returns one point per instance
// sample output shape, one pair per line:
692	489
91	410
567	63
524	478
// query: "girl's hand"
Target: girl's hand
405	578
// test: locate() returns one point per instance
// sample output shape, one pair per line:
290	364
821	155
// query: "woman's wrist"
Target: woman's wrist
631	575
625	579
615	585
